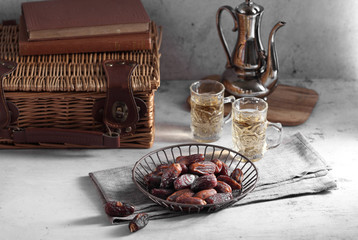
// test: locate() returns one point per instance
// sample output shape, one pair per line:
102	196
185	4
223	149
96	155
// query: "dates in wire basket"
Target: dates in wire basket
213	177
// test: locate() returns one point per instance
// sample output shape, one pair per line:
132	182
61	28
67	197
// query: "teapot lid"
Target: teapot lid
249	8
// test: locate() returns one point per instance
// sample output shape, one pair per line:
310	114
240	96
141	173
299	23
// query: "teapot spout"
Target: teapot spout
270	77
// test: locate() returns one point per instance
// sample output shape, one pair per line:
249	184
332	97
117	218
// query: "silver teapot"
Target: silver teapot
249	71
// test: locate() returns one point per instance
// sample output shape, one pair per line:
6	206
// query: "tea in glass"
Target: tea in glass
207	110
249	125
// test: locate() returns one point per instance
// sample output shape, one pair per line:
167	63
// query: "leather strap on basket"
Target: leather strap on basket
6	67
120	111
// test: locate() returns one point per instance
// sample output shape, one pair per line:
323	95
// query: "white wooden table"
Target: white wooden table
47	194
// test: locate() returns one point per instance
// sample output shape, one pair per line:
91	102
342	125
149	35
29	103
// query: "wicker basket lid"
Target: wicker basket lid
80	72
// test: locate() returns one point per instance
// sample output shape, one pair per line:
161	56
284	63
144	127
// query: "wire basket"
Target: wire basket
232	159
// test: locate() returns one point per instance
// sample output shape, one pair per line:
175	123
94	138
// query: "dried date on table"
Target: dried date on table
138	222
118	209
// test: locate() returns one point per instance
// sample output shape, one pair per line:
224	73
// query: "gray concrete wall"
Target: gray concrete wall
319	40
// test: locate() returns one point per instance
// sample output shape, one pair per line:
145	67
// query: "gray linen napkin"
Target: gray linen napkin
294	168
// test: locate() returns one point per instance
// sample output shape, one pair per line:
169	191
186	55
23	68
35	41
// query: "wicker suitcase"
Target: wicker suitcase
95	100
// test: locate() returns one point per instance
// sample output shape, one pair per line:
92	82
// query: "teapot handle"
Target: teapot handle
220	31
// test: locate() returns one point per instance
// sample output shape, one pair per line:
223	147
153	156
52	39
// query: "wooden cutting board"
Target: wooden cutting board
289	105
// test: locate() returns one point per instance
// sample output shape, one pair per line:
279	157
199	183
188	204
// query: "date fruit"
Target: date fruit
184	168
152	180
224	170
203	194
170	174
118	209
190	200
204	182
184	181
162	192
187	160
160	169
202	168
223	187
193	180
138	222
233	184
219	165
187	192
237	175
219	198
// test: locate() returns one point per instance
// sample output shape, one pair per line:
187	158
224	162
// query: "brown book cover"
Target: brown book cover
121	42
58	19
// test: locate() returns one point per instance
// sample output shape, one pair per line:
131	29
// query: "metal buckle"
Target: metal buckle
120	111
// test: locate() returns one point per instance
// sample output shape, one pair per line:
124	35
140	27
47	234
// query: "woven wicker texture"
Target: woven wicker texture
59	91
74	72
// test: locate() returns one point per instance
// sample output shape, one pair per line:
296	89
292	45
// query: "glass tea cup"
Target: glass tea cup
207	110
249	128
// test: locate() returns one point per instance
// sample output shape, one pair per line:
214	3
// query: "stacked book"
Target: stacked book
81	26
